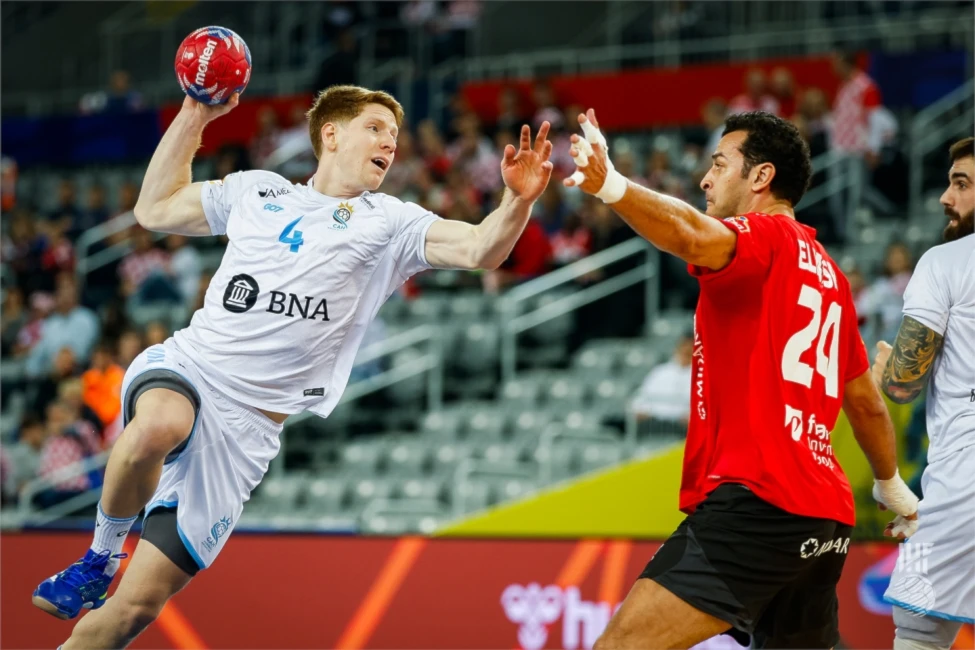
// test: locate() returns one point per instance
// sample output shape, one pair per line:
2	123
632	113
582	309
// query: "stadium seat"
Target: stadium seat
407	457
446	456
280	493
565	393
596	456
560	461
477	348
366	489
485	424
523	392
363	458
471	496
422	488
529	421
445	424
468	307
327	495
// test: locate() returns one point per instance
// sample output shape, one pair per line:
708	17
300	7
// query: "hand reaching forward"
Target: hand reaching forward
527	172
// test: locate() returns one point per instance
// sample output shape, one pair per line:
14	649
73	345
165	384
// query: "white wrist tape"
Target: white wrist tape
614	187
895	494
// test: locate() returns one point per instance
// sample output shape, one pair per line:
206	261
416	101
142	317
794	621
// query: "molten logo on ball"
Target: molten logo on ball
201	68
212	64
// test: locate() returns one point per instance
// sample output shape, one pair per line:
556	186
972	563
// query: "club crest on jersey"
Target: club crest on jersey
342	215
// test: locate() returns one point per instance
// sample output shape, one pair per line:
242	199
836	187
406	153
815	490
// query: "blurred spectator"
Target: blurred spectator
660	176
267	137
69	441
854	119
431	148
130	345
572	242
41	306
665	394
156	334
756	96
22	460
530	258
71	326
511	114
341	67
625	163
66	213
402	178
44	390
8	183
813	121
679	21
14	316
550	210
231	158
102	384
714	112
185	266
120	98
95	212
71	393
458	200
145	273
783	88
128	194
884	299
474	154
546	108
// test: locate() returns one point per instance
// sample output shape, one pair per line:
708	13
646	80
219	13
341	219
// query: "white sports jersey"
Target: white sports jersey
302	277
941	296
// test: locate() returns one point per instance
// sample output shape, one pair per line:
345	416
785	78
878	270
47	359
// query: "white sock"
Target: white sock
110	536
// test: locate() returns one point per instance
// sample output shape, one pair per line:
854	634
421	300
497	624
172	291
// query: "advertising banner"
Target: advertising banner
313	591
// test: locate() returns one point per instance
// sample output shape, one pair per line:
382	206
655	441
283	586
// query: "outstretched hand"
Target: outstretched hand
590	155
526	172
207	112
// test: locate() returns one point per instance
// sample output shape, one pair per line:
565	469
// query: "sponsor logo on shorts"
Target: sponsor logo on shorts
241	293
272	193
318	392
812	548
910	584
218	530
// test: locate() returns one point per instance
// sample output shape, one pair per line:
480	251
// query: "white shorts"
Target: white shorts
935	572
209	478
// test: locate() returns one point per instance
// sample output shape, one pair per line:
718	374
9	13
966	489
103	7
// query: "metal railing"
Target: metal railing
26	514
925	136
514	323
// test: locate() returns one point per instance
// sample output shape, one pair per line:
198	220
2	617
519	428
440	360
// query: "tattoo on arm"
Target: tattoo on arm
910	361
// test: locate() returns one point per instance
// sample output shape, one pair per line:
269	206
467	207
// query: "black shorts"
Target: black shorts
159	529
768	573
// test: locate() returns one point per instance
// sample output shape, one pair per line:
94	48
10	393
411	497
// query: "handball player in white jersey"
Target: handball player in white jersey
307	268
932	587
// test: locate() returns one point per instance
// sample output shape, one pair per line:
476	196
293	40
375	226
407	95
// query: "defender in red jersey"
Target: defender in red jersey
777	353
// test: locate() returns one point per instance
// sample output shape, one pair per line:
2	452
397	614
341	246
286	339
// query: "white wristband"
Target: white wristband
895	494
614	187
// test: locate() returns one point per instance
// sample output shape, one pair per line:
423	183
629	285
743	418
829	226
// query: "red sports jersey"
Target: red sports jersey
775	341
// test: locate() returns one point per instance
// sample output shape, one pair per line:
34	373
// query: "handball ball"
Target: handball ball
213	63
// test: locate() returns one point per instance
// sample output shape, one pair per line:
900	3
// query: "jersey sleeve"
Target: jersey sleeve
409	224
220	197
926	298
757	237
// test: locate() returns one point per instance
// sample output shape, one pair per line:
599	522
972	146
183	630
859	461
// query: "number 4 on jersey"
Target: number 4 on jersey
294	239
795	370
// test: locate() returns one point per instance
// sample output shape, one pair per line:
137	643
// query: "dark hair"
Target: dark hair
849	57
773	140
962	149
30	421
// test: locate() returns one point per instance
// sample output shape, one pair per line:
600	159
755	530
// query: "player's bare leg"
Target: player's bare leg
150	580
163	419
652	617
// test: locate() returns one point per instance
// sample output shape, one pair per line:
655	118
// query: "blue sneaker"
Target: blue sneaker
83	585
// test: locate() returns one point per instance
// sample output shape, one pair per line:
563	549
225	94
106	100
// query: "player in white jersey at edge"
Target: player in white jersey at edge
306	269
932	587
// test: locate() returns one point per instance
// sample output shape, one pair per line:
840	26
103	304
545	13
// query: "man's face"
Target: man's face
959	199
723	185
367	145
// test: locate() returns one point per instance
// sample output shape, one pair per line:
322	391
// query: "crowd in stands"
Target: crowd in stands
75	335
